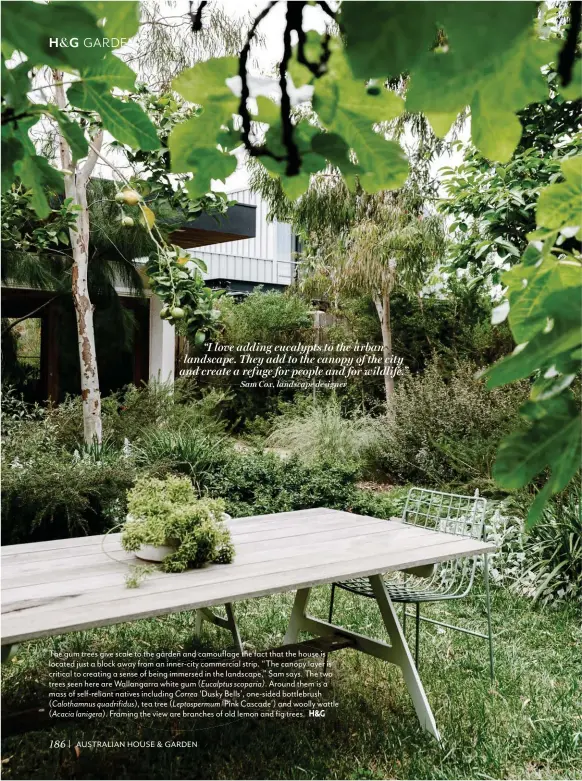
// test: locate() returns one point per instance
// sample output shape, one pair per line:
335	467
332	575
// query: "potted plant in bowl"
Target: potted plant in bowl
167	523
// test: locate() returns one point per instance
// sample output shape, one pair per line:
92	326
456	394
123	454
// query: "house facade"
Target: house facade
266	259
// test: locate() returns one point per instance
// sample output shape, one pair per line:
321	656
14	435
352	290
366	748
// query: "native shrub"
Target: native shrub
443	430
321	431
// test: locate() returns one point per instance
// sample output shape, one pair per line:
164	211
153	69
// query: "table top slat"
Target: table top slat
61	592
52	570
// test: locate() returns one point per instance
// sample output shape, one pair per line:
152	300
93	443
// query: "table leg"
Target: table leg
397	652
229	623
297	616
402	656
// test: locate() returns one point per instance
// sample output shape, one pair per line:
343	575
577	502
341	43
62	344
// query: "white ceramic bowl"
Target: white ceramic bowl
154	552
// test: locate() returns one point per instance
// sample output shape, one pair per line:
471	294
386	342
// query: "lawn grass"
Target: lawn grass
528	725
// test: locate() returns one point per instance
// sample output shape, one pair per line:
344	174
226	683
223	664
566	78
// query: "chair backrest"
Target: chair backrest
451	513
454	514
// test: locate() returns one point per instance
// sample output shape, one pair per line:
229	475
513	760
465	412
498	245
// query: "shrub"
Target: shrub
130	412
167	512
445	430
48	492
322	431
270	317
546	562
379	504
55	487
186	450
256	482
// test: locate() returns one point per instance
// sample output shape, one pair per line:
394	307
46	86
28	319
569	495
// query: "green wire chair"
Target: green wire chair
445	512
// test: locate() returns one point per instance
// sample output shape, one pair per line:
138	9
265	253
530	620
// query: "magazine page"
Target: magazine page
291	437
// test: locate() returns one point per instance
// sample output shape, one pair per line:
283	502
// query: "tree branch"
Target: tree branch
293	22
243	109
196	18
94	151
26	317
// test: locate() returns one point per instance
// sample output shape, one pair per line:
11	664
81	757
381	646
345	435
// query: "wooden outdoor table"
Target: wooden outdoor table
49	588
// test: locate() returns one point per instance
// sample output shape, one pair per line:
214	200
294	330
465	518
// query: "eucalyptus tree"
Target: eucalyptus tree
357	243
394	246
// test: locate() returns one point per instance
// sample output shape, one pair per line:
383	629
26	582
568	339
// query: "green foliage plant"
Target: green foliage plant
323	430
167	512
544	297
544	564
445	428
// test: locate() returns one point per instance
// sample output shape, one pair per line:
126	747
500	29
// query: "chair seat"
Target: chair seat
398	592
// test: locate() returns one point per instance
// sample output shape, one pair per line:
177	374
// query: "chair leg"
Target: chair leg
488	598
330	616
417	636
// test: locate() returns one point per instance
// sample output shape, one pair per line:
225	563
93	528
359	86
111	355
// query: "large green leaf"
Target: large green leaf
530	286
193	149
41	178
540	352
311	160
335	149
350	109
339	97
491	61
391	38
193	144
560	205
211	164
15	86
205	83
110	72
34	29
119	18
386	38
443	84
16	145
126	121
71	132
12	151
553	439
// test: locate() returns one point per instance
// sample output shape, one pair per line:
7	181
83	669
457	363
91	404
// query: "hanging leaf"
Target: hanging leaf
553	440
484	43
12	151
205	83
71	132
119	18
39	177
126	121
193	149
559	204
110	72
149	216
444	86
530	286
350	109
15	86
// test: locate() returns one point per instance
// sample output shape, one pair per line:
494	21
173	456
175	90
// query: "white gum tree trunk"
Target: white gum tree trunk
76	180
382	303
